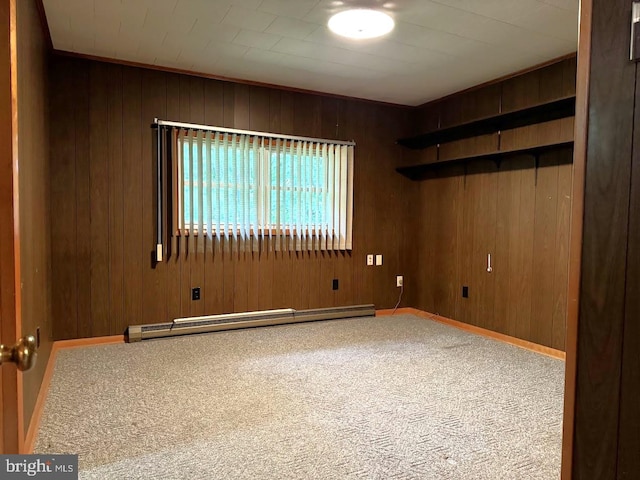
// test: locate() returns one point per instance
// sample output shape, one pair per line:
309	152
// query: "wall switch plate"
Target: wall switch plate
379	260
335	284
370	259
399	280
195	293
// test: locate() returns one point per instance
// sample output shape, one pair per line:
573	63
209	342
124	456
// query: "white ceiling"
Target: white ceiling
438	46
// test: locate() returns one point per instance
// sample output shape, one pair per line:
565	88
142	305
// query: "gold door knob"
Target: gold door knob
23	353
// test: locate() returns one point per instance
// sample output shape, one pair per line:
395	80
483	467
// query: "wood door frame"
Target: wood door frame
592	442
581	126
12	440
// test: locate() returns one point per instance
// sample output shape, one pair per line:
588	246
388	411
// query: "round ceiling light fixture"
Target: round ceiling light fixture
361	23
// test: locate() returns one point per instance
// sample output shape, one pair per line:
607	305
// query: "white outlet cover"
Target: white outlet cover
370	259
379	260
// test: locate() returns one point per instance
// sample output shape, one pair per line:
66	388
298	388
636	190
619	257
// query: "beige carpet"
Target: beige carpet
378	398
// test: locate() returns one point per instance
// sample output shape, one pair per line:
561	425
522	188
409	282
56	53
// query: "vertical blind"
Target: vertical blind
257	192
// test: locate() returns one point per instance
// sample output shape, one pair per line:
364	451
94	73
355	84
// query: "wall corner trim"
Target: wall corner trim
34	425
533	347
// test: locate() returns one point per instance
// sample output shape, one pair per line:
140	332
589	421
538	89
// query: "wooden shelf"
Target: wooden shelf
543	112
417	172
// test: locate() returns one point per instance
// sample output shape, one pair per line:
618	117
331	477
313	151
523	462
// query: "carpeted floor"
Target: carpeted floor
378	398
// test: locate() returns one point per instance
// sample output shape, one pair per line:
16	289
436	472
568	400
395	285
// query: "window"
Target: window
296	193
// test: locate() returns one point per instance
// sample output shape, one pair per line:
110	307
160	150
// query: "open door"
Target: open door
11	397
15	354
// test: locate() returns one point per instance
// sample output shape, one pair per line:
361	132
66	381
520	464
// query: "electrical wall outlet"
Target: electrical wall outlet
379	259
370	259
465	291
195	293
334	284
399	280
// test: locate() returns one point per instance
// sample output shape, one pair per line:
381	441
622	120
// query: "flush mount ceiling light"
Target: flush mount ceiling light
360	23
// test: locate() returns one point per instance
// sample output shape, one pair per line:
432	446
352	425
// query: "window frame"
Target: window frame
261	230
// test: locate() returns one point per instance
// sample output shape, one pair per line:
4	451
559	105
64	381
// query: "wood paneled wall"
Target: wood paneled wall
102	178
516	211
35	214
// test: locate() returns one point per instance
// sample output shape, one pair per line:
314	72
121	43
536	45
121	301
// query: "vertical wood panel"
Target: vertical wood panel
154	279
81	102
552	82
543	251
484	220
451	111
561	280
482	102
521	91
466	246
426	118
507	214
522	285
356	123
469	264
116	203
132	159
448	210
569	75
459	239
388	217
513	297
64	289
429	221
99	180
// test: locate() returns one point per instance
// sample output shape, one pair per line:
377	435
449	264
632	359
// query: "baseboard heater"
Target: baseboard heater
232	321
